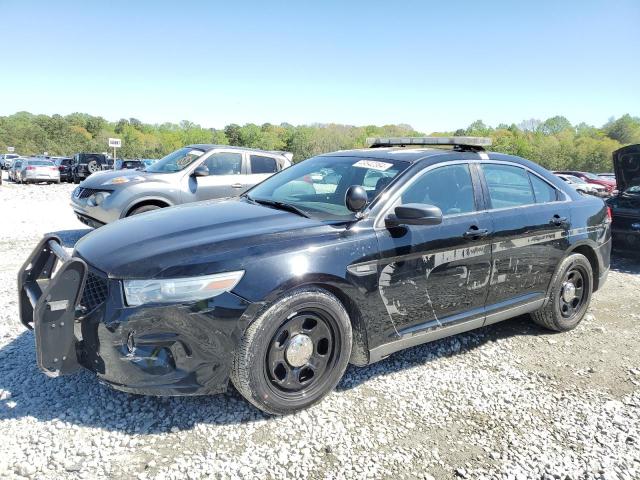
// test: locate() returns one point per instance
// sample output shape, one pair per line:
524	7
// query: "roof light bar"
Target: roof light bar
471	143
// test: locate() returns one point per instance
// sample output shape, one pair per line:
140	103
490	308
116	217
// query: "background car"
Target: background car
610	185
64	167
6	160
33	170
15	164
129	164
607	176
582	186
190	174
85	164
625	206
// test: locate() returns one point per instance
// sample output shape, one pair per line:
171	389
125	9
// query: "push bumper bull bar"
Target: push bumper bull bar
50	285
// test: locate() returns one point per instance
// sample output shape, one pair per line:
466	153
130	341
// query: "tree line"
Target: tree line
554	143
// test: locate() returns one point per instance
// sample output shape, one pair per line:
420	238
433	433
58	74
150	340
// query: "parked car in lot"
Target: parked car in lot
279	289
85	164
607	176
32	170
64	165
609	185
6	159
582	186
625	206
129	164
16	165
190	174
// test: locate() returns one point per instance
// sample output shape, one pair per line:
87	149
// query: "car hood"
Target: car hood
194	239
97	180
626	164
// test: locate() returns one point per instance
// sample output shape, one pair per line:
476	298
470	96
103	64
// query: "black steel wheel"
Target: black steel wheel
571	289
294	353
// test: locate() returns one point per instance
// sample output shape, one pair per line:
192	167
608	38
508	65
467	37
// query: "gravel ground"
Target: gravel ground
506	401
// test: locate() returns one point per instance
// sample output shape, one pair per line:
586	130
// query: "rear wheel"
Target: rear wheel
144	208
294	353
571	290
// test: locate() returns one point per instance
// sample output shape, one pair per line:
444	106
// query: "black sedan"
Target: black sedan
344	257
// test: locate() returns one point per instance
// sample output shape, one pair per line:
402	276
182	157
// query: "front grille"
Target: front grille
94	293
85	192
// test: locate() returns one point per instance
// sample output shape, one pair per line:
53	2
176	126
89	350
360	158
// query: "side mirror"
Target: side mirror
201	171
414	214
356	198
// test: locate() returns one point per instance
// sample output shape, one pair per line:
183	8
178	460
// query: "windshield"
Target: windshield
176	161
633	190
318	185
591	176
573	179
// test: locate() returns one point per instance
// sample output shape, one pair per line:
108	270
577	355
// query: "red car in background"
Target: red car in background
610	185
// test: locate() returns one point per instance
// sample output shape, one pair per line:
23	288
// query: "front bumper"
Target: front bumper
94	215
80	319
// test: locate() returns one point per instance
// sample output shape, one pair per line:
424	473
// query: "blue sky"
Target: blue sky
434	65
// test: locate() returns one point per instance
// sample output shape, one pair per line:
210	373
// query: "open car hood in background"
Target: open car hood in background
626	165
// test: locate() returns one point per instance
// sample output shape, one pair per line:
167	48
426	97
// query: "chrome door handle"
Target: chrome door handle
558	220
475	232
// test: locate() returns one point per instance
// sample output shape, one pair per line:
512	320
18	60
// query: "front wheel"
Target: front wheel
571	289
294	353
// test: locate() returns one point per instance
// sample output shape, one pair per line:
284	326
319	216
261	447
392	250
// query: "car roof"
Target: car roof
210	146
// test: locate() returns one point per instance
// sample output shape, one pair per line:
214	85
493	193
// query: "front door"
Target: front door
225	179
531	222
436	276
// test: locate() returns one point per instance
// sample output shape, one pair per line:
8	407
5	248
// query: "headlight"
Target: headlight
118	180
97	198
138	292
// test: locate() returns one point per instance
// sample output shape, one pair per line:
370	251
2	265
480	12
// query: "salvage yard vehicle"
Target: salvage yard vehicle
625	206
608	184
64	165
190	174
279	289
6	159
33	170
86	164
581	186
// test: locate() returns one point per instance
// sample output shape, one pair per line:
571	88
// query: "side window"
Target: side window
508	186
449	188
260	164
543	191
224	163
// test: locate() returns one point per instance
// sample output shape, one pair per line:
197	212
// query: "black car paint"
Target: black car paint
625	206
377	272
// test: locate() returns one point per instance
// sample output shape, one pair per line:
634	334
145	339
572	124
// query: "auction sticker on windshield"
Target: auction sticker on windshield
372	164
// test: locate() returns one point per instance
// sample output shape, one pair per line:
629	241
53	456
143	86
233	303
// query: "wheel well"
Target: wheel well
590	253
359	349
158	203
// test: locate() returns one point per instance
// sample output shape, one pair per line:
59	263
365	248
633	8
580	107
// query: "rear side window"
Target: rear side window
260	164
509	186
448	188
542	190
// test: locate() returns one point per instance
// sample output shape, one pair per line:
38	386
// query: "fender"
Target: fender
153	198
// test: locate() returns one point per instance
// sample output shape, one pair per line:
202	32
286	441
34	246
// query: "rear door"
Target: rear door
531	226
434	276
259	168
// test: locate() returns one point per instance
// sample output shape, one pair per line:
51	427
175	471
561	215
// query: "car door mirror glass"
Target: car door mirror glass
356	198
201	171
414	214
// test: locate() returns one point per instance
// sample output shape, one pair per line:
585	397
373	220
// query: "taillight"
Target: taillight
55	168
609	215
61	168
30	168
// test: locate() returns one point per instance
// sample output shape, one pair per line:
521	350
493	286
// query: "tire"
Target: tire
561	314
142	209
76	180
267	370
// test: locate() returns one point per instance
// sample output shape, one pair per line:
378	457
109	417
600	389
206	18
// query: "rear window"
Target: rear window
260	164
40	163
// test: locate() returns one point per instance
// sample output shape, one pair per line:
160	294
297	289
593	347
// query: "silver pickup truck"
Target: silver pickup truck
190	174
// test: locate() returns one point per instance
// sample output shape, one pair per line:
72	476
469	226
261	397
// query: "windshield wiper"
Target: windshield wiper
280	205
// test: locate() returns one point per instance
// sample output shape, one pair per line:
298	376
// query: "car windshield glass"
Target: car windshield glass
633	190
575	179
41	163
176	161
318	185
591	176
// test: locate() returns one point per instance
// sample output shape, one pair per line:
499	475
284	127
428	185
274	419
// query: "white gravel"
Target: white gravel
508	401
